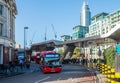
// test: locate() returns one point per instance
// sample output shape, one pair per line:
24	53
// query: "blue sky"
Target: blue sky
38	15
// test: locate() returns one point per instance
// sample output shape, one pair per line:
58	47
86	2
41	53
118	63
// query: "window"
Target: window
1	26
1	9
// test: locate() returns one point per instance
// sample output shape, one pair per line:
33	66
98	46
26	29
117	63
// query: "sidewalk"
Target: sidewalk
17	70
100	78
33	68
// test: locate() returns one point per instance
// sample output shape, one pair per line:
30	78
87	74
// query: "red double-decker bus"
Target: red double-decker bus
50	62
37	58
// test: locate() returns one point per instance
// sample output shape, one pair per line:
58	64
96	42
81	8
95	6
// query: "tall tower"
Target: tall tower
85	15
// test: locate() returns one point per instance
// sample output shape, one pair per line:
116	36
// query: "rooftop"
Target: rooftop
100	14
79	26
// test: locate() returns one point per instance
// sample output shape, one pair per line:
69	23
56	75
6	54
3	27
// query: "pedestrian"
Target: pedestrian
80	60
95	61
21	63
83	61
27	64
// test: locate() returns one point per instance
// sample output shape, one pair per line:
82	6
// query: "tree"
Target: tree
60	51
76	53
109	56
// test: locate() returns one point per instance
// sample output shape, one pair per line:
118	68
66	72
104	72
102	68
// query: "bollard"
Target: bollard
112	81
106	70
117	77
103	69
108	80
100	68
112	75
109	74
113	72
109	70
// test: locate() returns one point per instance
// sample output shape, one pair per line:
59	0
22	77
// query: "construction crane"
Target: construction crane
31	41
55	34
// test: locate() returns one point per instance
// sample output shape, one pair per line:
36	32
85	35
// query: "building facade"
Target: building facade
66	38
85	15
79	32
96	24
7	30
101	24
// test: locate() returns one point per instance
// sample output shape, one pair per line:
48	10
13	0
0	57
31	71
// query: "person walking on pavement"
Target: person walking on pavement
21	63
27	64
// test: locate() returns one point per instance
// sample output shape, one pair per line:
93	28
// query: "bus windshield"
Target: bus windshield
53	63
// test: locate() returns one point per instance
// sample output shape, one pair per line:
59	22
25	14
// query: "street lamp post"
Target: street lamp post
90	44
25	41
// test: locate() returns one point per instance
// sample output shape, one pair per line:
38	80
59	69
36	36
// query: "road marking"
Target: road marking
42	79
69	72
69	78
58	79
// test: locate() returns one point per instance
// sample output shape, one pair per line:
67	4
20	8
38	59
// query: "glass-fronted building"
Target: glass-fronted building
96	24
79	32
102	23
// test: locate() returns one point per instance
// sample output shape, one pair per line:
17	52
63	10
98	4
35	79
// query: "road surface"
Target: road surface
69	74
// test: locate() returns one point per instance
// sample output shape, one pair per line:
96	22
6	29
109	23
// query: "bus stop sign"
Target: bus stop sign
118	48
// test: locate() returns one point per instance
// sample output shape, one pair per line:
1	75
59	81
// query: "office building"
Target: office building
101	24
85	15
66	38
79	32
7	30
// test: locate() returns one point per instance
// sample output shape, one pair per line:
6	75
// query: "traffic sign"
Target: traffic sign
118	48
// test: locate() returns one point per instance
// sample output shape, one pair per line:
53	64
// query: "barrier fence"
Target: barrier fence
109	72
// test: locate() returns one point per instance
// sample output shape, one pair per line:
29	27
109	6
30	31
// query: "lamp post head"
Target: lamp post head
25	27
